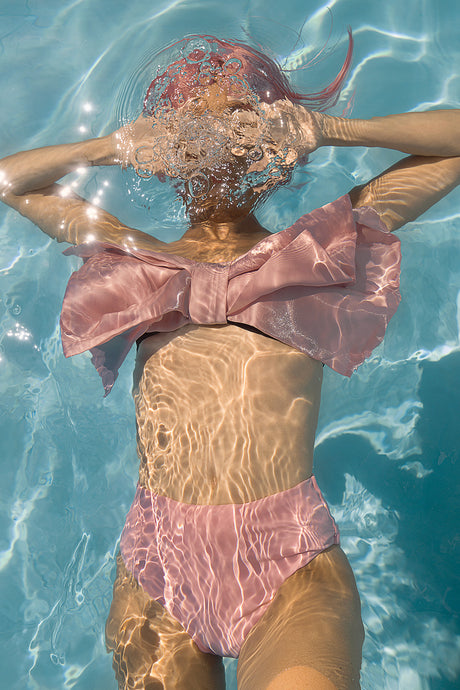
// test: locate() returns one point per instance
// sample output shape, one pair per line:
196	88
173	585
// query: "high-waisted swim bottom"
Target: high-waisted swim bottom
216	568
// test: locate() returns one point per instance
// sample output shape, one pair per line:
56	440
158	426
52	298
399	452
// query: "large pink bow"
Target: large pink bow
328	286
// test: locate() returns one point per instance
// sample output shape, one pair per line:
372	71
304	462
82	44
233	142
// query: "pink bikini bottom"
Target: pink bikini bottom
216	568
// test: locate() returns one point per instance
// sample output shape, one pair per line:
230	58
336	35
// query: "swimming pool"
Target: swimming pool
388	442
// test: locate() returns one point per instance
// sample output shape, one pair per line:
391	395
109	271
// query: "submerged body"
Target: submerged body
226	415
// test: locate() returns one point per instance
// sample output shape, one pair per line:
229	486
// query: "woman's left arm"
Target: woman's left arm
411	186
431	133
414	184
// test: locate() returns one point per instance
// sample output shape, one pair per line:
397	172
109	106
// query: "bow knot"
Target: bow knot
208	293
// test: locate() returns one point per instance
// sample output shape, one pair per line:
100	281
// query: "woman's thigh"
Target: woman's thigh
151	650
312	633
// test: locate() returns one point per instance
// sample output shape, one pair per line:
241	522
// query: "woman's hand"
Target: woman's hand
294	126
134	145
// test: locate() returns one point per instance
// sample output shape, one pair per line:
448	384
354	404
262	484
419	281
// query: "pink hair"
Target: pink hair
263	75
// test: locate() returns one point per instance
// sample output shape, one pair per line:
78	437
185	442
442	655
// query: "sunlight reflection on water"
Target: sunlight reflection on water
58	542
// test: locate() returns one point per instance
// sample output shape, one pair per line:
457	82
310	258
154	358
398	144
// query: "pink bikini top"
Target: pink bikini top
328	286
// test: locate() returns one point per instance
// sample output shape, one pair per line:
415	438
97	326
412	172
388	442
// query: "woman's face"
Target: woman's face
225	199
239	184
220	154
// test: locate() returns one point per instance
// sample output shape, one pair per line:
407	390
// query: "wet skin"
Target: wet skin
224	414
245	426
228	415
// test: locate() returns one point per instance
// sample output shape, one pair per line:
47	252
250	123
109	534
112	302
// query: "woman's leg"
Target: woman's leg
311	635
151	650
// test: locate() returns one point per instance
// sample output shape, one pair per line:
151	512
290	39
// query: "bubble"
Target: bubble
238	87
232	66
238	151
196	50
16	309
195	131
198	185
144	154
256	153
207	68
144	173
157	87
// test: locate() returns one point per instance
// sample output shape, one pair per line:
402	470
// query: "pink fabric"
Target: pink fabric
216	568
328	286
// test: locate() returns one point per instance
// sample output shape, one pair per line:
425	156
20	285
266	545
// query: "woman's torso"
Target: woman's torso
224	414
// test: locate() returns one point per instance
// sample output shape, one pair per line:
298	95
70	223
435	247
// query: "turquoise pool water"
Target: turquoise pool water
388	440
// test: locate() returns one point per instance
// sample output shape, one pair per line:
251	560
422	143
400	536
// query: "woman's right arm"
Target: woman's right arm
28	171
28	184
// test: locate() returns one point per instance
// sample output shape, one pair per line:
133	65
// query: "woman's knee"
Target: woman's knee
300	678
312	626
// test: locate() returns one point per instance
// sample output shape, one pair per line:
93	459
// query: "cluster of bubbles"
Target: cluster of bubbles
206	121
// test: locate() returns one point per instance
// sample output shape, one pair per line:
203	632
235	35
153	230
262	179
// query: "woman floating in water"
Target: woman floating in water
229	548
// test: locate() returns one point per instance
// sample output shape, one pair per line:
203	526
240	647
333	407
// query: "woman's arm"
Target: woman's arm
433	133
27	184
28	171
411	186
